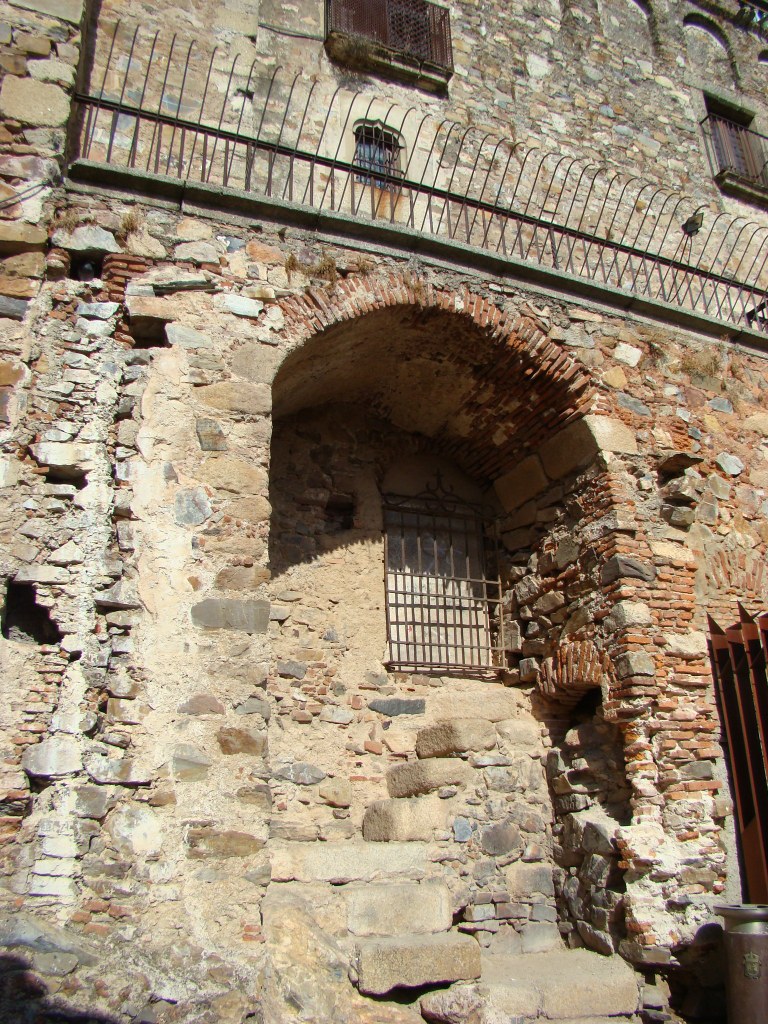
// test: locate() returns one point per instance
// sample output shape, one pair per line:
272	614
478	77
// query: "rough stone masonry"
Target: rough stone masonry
221	801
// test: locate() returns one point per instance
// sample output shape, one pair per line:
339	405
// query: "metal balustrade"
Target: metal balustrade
177	113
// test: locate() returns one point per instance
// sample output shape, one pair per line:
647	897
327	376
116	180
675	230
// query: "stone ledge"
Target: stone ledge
205	199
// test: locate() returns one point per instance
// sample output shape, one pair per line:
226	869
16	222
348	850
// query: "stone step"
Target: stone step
634	1019
348	861
411	961
562	985
566	986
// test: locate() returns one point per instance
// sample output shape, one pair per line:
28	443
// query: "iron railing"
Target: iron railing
738	655
174	112
737	151
414	28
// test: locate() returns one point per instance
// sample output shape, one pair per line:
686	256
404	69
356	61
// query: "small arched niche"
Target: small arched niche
709	52
395	434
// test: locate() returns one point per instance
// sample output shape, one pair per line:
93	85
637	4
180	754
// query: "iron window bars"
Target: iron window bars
443	607
414	28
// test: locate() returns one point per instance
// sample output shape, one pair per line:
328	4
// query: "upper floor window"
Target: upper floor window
404	38
737	153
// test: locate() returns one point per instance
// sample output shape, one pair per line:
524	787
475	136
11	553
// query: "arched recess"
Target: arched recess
710	51
388	373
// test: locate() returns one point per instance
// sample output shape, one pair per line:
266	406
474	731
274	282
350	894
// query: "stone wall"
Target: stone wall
215	792
640	105
230	699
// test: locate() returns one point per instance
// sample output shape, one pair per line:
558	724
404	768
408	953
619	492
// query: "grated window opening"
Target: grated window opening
416	29
377	156
442	602
734	147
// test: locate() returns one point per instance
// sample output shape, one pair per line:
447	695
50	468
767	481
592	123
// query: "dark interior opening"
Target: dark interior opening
77	478
586	708
24	620
85	266
339	513
149	335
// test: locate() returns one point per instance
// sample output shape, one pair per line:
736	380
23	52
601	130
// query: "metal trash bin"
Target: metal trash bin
746	948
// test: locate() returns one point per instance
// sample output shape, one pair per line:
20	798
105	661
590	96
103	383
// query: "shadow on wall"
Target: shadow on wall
24	999
698	985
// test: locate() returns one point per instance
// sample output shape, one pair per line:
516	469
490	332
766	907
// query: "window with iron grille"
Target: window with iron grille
377	155
736	151
416	30
442	587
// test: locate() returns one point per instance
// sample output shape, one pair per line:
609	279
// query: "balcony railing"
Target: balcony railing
415	29
168	120
736	153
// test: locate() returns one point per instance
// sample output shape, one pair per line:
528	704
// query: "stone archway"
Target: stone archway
451	377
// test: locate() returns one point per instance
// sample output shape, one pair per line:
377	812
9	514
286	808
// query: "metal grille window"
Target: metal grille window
409	29
442	604
414	28
734	147
377	155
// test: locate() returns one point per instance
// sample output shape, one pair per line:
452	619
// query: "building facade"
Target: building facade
383	439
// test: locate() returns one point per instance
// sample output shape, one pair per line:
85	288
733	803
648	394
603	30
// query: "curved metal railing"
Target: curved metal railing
172	110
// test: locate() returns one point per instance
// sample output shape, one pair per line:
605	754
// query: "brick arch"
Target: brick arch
526	387
576	667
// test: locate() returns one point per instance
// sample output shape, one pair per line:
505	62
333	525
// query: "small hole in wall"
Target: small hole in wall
24	620
77	478
339	513
85	268
148	335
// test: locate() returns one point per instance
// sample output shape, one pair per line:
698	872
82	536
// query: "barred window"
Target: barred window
377	155
442	601
737	149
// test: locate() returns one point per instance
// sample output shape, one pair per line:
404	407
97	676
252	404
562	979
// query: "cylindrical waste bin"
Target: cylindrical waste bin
746	948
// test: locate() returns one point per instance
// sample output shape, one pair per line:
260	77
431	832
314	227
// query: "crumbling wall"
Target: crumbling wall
211	766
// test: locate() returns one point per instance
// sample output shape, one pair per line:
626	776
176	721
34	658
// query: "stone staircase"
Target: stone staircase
384	910
376	914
